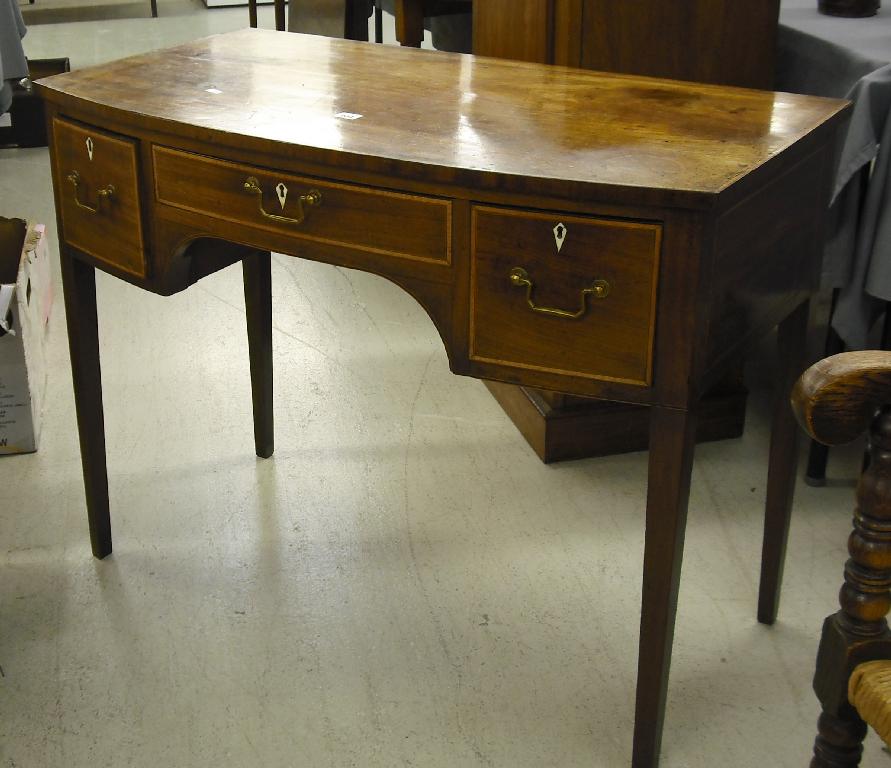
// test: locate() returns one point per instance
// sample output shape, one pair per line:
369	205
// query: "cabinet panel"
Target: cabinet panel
709	41
514	30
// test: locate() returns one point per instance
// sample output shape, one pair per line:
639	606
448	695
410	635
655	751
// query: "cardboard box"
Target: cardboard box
26	299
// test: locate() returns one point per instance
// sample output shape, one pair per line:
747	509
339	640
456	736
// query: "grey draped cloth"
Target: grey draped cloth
13	65
849	58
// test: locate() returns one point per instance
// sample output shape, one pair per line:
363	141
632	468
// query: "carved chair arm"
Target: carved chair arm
836	398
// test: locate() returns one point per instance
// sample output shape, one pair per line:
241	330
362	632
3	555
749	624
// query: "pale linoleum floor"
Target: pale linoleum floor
403	583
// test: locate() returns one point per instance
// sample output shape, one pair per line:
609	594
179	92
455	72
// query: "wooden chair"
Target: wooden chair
835	401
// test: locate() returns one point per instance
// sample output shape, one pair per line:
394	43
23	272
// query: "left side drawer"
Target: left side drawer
97	178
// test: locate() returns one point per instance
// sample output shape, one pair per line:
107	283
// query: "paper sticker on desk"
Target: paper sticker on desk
282	192
559	235
348	115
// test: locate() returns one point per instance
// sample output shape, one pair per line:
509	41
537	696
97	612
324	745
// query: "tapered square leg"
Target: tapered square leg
79	285
792	343
258	310
672	440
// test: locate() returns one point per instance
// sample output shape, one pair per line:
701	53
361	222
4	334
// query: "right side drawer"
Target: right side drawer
565	294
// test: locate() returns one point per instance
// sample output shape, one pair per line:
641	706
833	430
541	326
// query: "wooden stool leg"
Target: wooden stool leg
839	742
258	311
672	440
79	285
783	463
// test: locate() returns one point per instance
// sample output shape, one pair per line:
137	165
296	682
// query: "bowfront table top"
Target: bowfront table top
602	235
672	142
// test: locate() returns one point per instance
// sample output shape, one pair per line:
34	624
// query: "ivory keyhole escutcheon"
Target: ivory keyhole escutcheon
559	235
282	192
89	143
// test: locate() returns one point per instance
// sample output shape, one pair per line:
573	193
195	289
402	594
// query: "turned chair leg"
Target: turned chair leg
834	401
839	741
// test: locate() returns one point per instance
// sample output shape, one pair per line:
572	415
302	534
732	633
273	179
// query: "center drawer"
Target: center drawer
365	218
564	294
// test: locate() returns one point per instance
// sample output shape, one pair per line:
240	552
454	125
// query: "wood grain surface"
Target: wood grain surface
836	398
489	117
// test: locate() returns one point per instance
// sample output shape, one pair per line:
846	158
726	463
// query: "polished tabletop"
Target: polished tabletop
602	129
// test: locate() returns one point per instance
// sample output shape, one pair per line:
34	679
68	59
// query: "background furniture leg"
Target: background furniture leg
154	4
818	455
252	13
79	285
378	22
672	440
258	311
792	344
356	15
410	22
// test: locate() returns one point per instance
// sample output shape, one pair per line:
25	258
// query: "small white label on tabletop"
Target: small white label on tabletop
348	115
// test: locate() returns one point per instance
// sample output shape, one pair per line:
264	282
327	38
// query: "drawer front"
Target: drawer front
564	294
368	219
97	179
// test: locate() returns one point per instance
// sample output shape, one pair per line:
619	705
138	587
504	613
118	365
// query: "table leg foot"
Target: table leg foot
783	462
672	440
258	311
79	285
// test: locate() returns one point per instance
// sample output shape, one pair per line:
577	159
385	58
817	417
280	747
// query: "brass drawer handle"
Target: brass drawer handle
103	193
313	197
599	290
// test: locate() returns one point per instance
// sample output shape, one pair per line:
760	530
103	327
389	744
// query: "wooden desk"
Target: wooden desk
601	235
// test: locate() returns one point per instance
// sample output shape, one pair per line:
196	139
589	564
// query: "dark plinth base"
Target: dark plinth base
850	8
562	427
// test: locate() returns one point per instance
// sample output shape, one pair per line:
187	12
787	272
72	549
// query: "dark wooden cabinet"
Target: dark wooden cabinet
710	41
